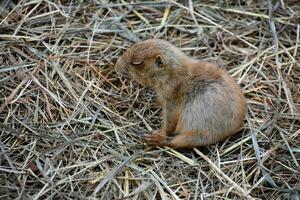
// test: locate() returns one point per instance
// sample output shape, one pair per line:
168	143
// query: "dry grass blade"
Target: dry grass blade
70	126
215	24
219	171
110	176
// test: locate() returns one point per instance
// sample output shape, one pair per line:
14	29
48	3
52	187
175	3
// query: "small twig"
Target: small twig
235	185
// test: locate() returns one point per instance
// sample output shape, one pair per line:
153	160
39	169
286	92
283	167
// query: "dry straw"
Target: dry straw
70	126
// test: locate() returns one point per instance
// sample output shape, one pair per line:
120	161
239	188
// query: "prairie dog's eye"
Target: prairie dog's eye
137	62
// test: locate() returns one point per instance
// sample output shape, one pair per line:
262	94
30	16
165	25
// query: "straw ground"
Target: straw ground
69	124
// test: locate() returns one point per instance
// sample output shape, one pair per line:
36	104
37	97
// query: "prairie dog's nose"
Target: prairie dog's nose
120	67
118	63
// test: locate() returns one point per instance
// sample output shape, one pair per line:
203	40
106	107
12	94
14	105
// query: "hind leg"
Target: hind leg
189	141
183	140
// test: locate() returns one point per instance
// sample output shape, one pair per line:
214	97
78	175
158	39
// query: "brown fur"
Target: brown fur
202	104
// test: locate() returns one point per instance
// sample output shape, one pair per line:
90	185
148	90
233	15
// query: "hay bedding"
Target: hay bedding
69	124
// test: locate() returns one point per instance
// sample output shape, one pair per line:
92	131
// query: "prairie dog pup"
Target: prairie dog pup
202	104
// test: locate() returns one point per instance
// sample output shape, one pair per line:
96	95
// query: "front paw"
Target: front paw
155	139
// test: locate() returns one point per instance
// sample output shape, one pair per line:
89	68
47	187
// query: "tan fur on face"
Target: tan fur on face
202	104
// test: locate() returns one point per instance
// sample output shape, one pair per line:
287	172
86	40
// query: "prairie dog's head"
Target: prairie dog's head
150	62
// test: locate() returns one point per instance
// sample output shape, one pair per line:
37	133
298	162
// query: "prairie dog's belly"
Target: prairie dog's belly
211	109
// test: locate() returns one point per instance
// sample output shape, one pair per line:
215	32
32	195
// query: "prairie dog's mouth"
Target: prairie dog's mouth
123	71
126	74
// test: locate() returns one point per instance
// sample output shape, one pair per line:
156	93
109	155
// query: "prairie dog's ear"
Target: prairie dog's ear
137	61
159	61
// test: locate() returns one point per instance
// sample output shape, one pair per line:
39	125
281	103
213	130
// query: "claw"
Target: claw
155	139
